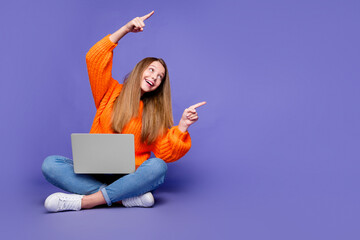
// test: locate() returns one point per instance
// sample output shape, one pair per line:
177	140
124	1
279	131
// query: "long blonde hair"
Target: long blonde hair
157	112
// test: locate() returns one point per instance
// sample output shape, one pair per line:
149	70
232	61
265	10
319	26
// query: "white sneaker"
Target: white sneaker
145	200
57	202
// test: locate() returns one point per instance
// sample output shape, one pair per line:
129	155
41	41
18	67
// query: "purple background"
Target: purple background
275	152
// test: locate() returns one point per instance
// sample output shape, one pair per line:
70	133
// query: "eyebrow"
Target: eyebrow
163	74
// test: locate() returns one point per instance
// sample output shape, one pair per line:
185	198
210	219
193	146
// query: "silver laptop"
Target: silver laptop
103	153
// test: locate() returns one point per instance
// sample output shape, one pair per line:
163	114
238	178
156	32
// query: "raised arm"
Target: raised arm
99	65
100	56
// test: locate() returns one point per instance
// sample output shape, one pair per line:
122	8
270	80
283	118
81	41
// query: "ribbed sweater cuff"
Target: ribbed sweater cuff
179	134
106	43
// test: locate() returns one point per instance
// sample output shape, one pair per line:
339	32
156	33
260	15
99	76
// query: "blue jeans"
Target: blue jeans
59	171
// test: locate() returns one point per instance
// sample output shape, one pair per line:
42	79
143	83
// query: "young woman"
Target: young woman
140	106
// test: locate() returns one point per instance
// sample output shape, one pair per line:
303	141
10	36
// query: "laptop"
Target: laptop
103	153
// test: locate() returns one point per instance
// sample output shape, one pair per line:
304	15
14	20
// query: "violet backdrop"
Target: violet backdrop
275	152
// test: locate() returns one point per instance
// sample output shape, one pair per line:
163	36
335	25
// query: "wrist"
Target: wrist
116	36
125	29
183	126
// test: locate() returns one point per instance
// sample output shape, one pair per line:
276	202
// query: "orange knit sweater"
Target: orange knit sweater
170	147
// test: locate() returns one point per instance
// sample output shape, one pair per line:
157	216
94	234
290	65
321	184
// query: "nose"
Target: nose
153	76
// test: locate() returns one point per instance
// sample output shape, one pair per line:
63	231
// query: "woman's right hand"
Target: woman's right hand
137	24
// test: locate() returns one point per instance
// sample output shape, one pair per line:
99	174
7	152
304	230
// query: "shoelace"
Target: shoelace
69	203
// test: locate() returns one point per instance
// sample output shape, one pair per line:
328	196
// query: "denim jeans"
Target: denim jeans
59	171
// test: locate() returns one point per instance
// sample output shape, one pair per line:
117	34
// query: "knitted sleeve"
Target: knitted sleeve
99	65
174	145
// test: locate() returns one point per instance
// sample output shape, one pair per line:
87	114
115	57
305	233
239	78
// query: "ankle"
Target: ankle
85	203
92	200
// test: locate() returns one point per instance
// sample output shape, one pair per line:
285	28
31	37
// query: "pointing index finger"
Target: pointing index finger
143	18
198	105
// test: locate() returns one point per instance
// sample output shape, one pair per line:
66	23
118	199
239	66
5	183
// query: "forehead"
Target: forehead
158	66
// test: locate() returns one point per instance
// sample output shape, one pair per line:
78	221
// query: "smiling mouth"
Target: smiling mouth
149	82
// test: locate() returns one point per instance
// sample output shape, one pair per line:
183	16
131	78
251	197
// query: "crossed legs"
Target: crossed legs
59	171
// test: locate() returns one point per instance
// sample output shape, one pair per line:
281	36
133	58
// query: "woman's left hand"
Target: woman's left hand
189	117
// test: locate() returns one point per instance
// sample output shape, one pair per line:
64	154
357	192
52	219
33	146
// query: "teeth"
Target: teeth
151	84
